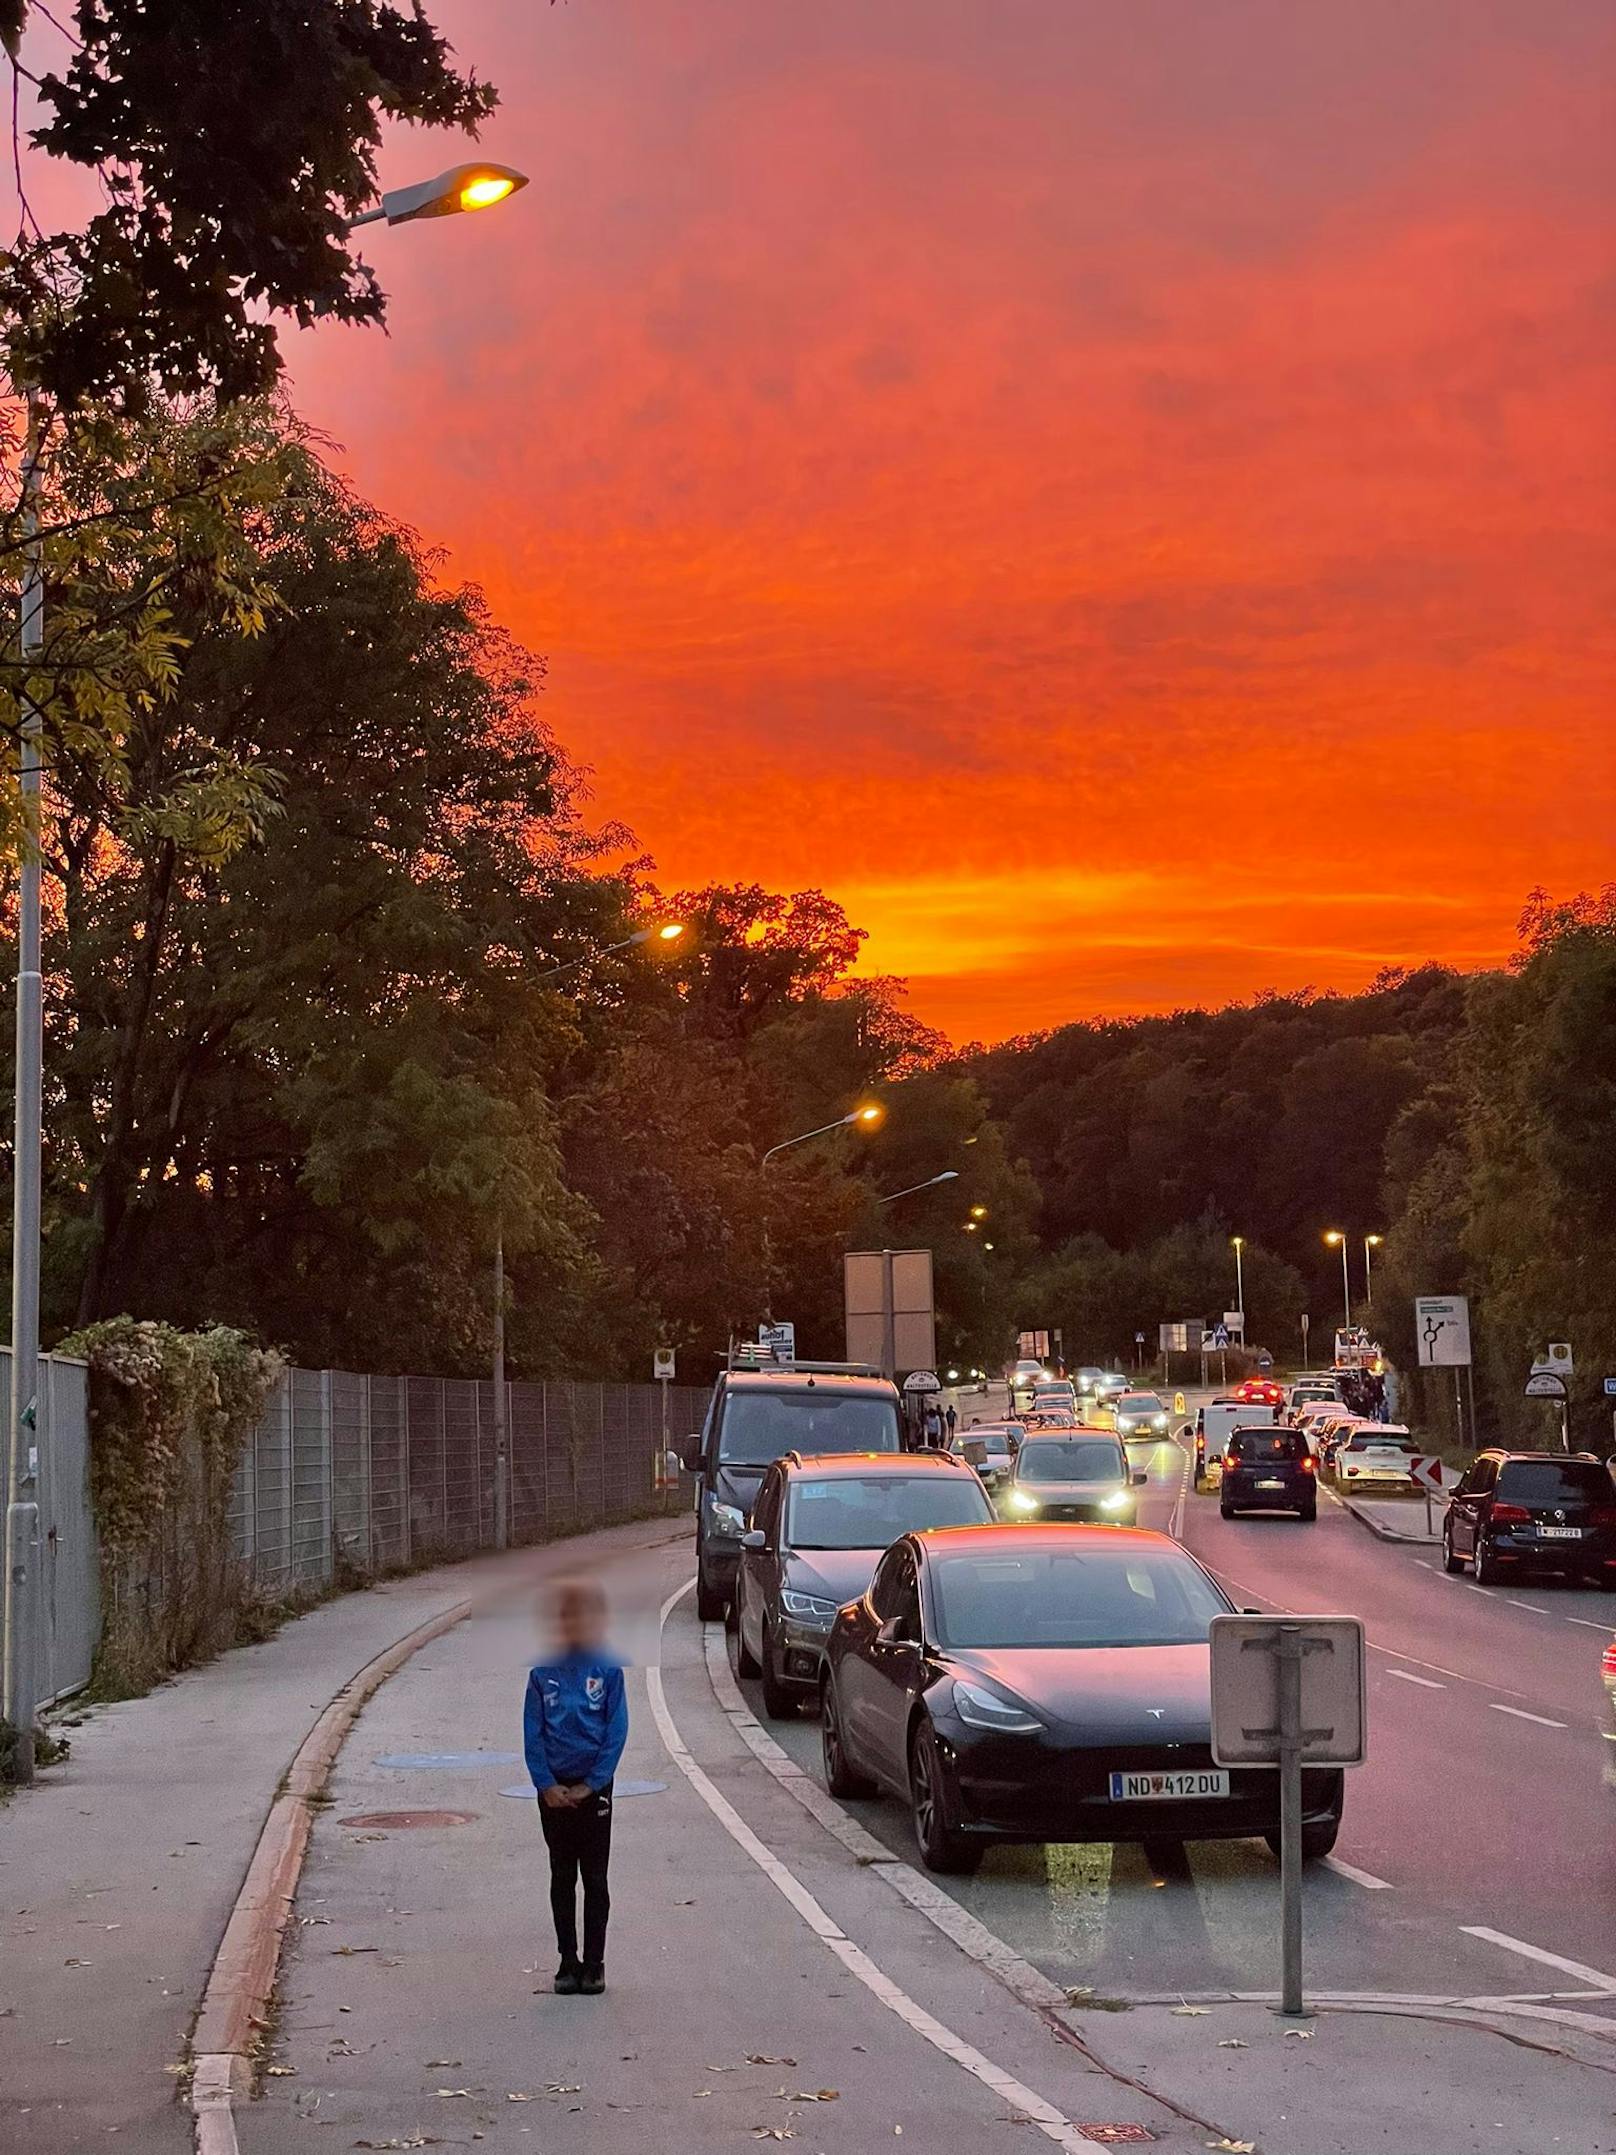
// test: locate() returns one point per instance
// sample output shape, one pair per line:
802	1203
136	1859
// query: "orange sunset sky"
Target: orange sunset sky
1120	492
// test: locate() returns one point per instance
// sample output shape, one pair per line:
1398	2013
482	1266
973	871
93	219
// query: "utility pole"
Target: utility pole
502	1443
18	1648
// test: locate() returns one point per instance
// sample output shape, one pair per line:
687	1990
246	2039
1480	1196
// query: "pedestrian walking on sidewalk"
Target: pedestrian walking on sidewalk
574	1727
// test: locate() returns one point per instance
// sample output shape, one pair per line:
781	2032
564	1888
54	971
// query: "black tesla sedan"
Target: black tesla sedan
1043	1683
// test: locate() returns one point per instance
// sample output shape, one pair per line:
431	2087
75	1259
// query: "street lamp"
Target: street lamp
949	1174
1337	1240
979	1212
865	1117
464	187
1370	1242
1238	1243
670	932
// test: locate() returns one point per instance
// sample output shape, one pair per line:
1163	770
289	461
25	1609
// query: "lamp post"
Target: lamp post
1337	1240
669	932
1370	1242
864	1118
949	1174
1238	1242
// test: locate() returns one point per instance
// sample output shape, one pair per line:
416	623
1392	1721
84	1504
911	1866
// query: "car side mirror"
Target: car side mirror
690	1454
893	1632
754	1538
1140	1477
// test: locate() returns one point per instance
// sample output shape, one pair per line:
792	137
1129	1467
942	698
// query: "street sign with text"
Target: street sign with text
1442	1331
1545	1384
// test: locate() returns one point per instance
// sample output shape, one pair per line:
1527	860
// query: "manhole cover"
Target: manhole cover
423	1760
1110	2136
393	1821
524	1794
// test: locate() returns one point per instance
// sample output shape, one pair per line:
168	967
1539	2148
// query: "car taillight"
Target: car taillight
1309	1466
1511	1515
1602	1515
1229	1459
1610	1663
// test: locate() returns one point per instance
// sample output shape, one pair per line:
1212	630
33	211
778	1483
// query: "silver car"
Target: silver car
1084	1476
1140	1414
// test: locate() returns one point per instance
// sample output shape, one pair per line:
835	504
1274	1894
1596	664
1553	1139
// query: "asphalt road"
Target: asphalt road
1482	1803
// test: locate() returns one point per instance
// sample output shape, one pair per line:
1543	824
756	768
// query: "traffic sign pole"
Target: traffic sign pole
1289	1649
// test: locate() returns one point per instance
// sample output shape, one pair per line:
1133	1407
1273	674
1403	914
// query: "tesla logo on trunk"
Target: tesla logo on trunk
1156	1713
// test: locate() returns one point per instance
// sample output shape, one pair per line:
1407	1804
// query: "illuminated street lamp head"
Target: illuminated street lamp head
1237	1242
672	932
979	1212
462	187
970	1227
1333	1235
868	1116
1374	1241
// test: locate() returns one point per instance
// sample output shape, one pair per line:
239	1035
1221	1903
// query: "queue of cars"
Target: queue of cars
1039	1672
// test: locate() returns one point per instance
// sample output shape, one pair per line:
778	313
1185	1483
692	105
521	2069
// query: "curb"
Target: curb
1385	1533
235	2003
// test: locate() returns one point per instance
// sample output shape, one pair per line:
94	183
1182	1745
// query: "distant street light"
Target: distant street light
1370	1242
670	932
1239	1243
1337	1240
979	1212
462	187
949	1174
865	1117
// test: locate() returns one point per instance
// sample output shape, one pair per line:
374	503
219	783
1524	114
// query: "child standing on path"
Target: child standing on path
574	1727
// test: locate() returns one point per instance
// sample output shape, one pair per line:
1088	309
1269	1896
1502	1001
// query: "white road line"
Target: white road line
1594	1977
1519	1713
1471	1587
1407	1676
1532	1605
853	1958
1588	1624
1424	1563
1359	1878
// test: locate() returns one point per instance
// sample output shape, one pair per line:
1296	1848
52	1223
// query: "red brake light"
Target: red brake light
1310	1466
1229	1459
1602	1515
1510	1515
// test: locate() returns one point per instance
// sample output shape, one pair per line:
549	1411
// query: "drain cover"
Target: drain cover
392	1821
1111	2136
524	1794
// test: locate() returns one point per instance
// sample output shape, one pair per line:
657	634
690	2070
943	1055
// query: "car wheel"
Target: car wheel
1450	1563
1310	1511
711	1601
1225	1509
940	1850
745	1659
1317	1840
841	1779
779	1700
1489	1572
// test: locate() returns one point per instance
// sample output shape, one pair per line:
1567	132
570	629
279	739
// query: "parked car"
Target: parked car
1082	1476
1376	1452
1214	1424
1140	1414
989	1447
1327	1432
1307	1389
818	1529
1539	1511
1268	1469
753	1418
1043	1683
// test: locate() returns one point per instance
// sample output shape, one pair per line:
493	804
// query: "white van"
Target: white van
1214	1425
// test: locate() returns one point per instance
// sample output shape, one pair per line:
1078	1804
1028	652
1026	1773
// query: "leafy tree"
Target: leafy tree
234	140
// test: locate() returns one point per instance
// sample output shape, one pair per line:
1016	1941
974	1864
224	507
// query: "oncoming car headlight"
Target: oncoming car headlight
1022	1500
1118	1500
978	1708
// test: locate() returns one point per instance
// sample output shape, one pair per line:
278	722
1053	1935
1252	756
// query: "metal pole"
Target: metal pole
1346	1286
502	1449
889	1319
1368	1275
1290	1817
1240	1292
18	1677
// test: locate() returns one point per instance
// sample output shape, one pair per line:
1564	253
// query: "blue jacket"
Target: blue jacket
574	1721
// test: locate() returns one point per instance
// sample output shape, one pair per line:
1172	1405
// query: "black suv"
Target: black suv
819	1528
1268	1469
1551	1511
754	1416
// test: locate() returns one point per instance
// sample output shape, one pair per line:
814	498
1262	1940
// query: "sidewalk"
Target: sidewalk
1396	1518
120	1868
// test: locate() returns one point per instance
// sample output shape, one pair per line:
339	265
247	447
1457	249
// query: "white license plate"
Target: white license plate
1167	1787
1270	1485
1561	1533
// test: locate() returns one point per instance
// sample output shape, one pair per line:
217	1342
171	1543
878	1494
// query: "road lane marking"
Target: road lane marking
1588	1624
1519	1713
1532	1605
1424	1563
1595	1978
1366	1879
853	1958
1471	1587
1407	1676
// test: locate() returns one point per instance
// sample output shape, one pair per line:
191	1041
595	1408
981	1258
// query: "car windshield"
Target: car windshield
1127	1596
1092	1460
848	1511
1554	1481
1265	1444
1376	1440
1141	1403
758	1426
993	1441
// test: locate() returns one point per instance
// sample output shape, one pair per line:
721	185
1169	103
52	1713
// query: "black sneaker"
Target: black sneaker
592	1982
569	1979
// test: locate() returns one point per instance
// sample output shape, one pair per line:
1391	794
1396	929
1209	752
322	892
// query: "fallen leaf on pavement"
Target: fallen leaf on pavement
1233	2042
563	2087
1302	2035
443	2065
514	2095
1234	2147
450	2093
801	2095
348	1951
410	2140
1192	2012
281	2072
773	2132
756	2057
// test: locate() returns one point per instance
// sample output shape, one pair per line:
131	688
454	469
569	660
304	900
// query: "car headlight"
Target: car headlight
1159	1421
978	1708
810	1605
726	1518
1118	1500
1022	1500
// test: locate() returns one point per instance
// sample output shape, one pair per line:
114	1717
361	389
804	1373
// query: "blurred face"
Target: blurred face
579	1615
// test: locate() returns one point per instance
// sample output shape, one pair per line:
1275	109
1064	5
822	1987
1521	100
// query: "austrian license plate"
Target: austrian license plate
1168	1787
1561	1533
1271	1485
